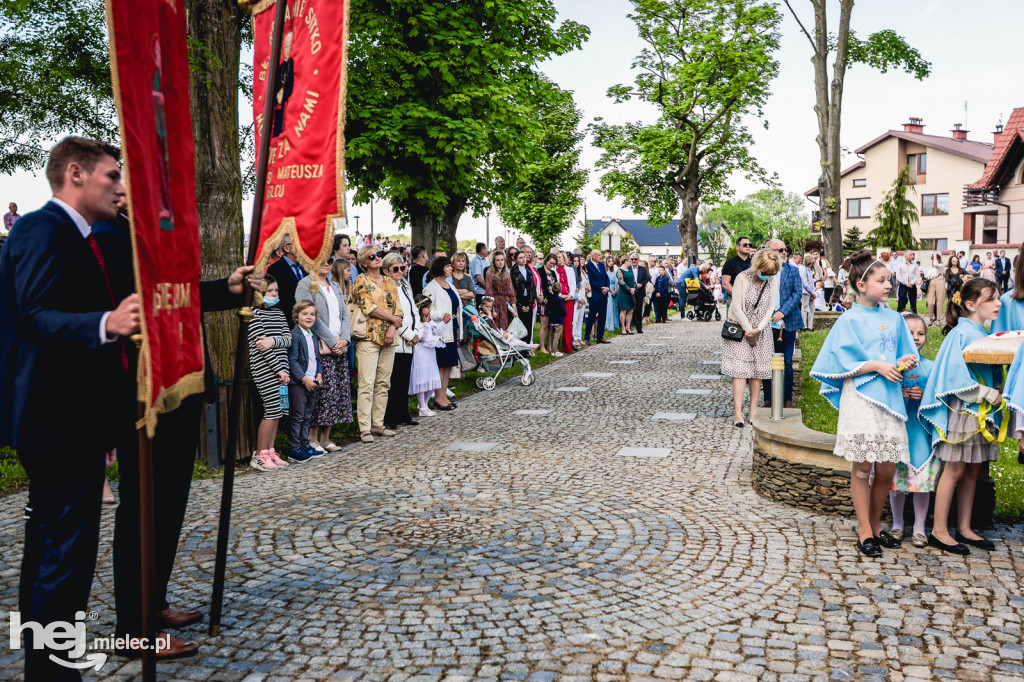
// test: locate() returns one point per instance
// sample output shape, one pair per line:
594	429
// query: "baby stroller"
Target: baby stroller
702	300
495	354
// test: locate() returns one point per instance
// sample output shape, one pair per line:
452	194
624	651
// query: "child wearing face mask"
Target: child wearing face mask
269	340
860	368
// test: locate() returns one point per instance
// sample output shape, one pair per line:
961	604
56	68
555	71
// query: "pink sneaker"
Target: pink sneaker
261	461
280	463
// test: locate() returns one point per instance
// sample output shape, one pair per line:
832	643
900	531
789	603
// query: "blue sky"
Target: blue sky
973	47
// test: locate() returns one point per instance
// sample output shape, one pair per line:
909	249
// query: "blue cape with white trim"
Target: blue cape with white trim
862	334
1011	315
920	442
1013	390
952	374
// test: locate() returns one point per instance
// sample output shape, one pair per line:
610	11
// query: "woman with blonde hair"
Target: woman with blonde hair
748	361
498	285
377	299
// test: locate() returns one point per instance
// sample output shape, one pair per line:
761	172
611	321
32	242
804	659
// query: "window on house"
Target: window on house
934	204
860	183
858	208
918	164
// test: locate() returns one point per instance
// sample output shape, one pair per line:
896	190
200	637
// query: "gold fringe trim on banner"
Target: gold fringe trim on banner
170	399
989	358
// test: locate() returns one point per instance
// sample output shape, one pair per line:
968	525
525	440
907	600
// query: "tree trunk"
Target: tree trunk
214	89
429	230
689	200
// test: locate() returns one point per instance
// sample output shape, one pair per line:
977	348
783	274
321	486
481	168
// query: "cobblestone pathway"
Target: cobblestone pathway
536	549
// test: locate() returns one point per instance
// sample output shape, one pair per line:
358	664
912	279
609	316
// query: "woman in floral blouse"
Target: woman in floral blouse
377	298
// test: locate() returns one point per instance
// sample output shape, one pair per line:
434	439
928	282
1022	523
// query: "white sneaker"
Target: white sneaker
450	394
261	461
426	412
329	446
556	354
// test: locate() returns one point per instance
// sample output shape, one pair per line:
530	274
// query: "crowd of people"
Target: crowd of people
398	321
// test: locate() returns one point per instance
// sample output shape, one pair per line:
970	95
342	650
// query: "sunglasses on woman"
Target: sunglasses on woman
397	268
374	256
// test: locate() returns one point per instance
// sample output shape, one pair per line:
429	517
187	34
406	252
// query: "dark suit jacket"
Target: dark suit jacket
597	273
53	368
1002	267
526	289
286	283
642	278
416	273
298	356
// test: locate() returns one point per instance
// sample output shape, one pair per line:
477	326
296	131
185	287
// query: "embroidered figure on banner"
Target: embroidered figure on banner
163	159
285	83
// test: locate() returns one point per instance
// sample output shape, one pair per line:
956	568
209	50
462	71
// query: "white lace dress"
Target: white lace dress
867	433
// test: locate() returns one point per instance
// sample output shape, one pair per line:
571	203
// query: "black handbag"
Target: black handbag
732	331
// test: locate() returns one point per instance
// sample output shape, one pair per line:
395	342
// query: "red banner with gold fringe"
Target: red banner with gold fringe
150	74
305	190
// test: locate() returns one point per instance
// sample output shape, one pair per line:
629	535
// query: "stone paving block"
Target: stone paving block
533	413
622	362
573	389
708	377
674	416
644	452
694	391
598	375
472	446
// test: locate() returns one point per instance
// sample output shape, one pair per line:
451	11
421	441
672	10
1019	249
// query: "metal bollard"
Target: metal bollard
778	385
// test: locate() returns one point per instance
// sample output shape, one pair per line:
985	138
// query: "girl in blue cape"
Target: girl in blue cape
1011	314
960	411
859	368
920	475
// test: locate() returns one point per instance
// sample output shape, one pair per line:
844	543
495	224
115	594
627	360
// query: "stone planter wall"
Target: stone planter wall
825	320
795	465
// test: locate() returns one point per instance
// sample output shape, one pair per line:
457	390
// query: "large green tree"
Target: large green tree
765	214
543	200
439	103
882	50
706	65
896	216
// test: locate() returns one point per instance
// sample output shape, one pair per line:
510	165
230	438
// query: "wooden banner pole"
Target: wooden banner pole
245	314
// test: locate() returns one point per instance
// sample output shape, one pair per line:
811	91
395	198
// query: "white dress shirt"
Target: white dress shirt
86	230
908	274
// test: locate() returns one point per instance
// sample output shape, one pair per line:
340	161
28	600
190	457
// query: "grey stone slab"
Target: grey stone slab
711	362
621	362
640	352
573	389
599	375
707	377
643	452
472	446
655	344
675	416
533	413
694	391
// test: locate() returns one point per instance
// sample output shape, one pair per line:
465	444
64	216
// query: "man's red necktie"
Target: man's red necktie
106	278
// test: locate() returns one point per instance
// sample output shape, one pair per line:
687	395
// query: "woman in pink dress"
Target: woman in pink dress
988	267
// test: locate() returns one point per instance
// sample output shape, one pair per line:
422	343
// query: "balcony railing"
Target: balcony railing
979	197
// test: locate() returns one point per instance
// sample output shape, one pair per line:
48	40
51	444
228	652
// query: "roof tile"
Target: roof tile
1014	129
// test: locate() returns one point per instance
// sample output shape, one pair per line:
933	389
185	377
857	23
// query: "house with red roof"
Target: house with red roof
940	167
993	205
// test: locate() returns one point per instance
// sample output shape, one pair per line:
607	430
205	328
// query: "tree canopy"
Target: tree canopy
765	214
706	65
896	216
440	103
543	200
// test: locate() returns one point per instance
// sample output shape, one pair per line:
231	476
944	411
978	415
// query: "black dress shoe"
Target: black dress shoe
980	544
869	547
447	408
639	331
887	540
410	422
958	548
393	427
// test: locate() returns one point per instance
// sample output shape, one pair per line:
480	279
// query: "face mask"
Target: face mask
764	277
270	301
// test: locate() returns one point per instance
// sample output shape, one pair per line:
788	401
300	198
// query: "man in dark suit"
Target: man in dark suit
1003	270
526	293
597	275
64	361
789	314
287	272
643	277
173	451
418	270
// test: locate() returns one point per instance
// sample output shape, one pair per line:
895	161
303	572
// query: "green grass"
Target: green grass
818	414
